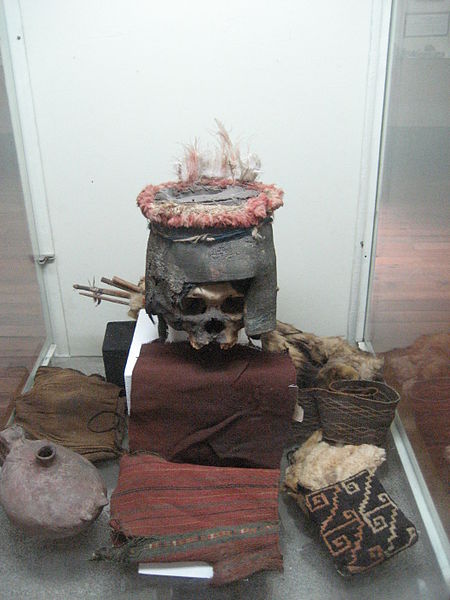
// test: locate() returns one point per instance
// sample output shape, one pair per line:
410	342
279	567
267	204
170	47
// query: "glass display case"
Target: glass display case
408	315
23	330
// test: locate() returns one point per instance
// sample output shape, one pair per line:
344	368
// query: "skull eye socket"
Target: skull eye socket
232	305
193	306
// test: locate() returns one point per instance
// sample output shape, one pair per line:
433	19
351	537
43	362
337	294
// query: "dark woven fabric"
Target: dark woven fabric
168	512
212	407
359	523
81	412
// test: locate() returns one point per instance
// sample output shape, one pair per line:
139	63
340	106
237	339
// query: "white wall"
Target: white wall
119	85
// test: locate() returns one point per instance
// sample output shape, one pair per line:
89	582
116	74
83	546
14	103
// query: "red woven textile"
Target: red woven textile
212	407
167	512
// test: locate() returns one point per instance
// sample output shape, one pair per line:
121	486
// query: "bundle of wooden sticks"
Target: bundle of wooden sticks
120	292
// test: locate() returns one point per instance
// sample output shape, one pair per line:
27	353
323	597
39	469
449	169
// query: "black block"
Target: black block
116	345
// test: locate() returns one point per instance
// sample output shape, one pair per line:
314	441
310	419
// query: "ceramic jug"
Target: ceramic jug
46	489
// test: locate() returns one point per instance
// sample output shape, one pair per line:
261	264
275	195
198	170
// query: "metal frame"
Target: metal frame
433	525
26	137
370	161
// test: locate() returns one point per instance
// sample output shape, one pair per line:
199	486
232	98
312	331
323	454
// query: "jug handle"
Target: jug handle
8	438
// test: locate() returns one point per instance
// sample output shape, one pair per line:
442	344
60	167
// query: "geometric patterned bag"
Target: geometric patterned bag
359	523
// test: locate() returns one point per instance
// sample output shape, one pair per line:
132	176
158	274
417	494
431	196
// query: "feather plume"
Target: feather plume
224	161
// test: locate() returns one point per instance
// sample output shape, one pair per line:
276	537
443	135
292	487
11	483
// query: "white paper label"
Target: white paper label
298	413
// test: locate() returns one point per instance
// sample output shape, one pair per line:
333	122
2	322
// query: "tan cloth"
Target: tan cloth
83	413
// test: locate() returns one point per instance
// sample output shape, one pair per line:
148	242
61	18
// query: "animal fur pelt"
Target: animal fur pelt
426	359
321	360
173	214
316	464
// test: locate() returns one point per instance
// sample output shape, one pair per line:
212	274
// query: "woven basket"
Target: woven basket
307	400
356	411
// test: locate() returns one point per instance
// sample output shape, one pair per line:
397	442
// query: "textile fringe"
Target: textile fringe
143	548
124	554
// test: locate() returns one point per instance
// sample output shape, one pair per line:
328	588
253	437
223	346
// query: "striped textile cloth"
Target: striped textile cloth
170	512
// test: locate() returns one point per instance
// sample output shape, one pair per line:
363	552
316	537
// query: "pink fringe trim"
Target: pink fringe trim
171	214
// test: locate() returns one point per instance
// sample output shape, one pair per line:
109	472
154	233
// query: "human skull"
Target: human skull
213	312
243	267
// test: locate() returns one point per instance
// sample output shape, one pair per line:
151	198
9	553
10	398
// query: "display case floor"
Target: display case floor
59	570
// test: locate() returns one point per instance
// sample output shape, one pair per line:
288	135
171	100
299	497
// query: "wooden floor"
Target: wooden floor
411	288
22	330
411	298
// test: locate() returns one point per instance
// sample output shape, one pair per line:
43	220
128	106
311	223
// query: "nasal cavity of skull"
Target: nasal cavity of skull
214	326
